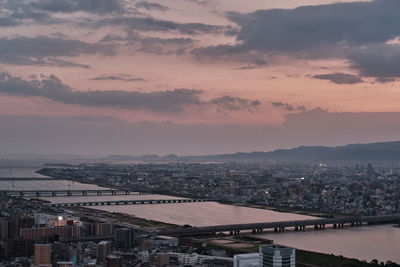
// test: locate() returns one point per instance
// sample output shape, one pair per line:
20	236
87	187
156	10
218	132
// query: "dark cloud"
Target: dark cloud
357	31
70	6
160	101
230	53
165	46
151	6
308	27
229	103
201	2
377	60
287	107
126	78
43	50
17	15
53	89
153	45
8	22
151	24
385	80
339	78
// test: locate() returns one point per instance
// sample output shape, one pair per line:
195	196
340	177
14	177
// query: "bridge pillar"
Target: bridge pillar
275	229
254	231
231	233
316	227
296	228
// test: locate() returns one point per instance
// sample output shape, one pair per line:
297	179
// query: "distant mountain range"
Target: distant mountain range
382	151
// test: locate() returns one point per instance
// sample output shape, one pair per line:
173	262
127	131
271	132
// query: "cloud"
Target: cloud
288	107
147	24
339	78
52	88
359	32
153	45
14	13
380	60
309	27
229	103
151	6
70	6
126	78
230	53
385	80
159	101
43	50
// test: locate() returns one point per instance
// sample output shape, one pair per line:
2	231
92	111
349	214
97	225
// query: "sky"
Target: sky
190	77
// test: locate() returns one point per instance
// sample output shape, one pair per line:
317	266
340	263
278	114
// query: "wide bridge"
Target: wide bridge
125	202
64	193
235	229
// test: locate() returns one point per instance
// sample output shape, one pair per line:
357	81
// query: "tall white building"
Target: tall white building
277	256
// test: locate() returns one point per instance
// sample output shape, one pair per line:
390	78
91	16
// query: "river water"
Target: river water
380	242
20	171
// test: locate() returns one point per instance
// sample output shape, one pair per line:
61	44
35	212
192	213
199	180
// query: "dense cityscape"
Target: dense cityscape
355	190
35	233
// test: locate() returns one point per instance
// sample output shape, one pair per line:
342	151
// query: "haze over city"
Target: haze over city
196	76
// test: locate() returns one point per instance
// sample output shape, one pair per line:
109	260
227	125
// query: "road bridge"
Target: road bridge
64	193
125	202
298	225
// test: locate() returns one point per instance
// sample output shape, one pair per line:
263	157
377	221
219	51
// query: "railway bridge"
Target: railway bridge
125	202
65	193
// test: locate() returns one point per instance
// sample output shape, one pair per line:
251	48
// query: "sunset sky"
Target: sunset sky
99	77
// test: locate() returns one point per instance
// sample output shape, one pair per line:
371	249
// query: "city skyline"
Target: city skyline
194	77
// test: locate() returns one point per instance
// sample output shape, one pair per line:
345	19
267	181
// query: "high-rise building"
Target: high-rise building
102	251
3	228
42	255
246	260
114	261
125	238
277	256
162	259
45	233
